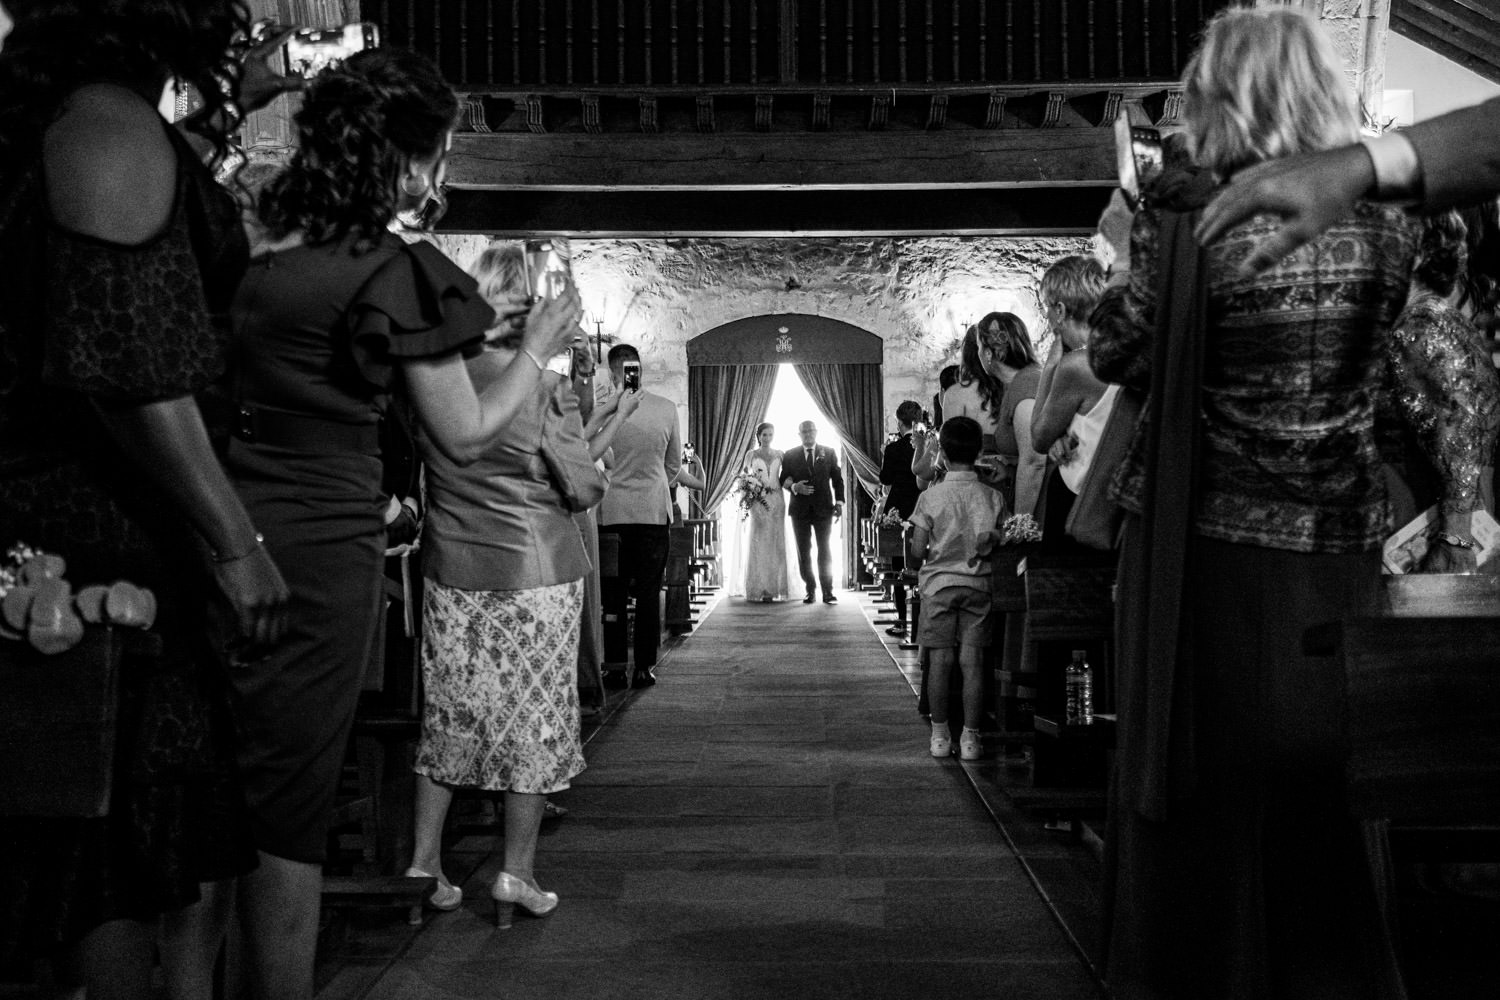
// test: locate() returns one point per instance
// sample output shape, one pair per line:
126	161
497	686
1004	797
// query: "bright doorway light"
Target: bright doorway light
790	404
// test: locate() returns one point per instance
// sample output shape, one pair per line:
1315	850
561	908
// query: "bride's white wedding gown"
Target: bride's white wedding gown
765	548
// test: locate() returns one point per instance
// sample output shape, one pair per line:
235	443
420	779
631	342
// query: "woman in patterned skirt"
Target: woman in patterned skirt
504	564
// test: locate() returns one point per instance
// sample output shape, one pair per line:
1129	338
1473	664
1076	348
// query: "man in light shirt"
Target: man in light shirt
637	510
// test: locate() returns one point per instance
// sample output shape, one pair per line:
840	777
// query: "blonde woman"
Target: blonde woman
1232	868
504	567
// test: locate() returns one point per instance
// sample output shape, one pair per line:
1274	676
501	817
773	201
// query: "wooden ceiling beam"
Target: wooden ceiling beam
993	158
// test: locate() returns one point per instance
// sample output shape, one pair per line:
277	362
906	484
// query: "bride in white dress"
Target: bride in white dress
765	550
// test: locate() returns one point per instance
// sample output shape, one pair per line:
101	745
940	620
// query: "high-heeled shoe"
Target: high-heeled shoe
510	891
446	896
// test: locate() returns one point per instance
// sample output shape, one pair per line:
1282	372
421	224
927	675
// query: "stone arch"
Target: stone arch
786	338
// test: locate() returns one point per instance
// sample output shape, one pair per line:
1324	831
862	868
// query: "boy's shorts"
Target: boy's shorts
955	616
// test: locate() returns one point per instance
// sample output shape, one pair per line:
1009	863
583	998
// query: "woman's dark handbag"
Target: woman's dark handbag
58	724
1095	518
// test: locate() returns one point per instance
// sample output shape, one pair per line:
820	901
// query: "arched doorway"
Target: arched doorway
732	371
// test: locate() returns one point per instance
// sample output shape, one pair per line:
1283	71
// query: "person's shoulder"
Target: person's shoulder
111	167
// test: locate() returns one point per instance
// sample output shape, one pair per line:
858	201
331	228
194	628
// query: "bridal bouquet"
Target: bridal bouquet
749	491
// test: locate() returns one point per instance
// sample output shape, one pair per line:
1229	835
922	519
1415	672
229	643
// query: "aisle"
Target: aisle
765	822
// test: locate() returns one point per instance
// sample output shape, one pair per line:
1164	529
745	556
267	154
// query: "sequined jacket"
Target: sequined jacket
1446	389
1294	365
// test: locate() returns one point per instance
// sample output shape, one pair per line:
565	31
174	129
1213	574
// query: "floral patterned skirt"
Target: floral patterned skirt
500	670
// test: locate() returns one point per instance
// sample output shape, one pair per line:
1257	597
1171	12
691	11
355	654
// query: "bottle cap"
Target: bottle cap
1078	654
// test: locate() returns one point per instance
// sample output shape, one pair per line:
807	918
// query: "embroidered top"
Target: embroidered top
1293	368
1446	389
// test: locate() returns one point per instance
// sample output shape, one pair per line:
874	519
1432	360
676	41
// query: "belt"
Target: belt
302	432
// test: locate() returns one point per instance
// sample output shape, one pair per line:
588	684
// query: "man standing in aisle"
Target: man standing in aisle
812	474
637	511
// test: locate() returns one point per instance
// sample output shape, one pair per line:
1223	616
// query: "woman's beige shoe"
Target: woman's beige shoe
510	891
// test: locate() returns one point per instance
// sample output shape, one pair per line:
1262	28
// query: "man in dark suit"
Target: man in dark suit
812	474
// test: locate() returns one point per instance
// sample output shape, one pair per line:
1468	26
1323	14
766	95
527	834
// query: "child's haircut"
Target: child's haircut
960	439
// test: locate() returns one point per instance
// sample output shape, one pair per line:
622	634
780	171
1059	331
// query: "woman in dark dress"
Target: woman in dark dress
332	318
117	251
1232	867
901	493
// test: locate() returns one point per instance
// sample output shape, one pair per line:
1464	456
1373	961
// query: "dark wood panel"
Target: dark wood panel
1466	31
854	160
1054	211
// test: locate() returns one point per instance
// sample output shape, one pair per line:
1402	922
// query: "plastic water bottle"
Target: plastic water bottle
1079	679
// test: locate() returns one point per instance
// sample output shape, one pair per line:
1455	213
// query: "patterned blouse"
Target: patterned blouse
1446	389
1293	367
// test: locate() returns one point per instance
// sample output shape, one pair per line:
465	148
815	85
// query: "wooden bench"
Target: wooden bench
677	580
1422	724
1069	605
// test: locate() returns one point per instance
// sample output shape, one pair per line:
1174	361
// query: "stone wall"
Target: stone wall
916	294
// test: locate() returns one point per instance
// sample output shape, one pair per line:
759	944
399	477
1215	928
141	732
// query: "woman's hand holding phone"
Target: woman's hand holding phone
551	325
260	83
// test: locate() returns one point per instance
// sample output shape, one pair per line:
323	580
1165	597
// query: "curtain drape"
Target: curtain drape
725	402
851	396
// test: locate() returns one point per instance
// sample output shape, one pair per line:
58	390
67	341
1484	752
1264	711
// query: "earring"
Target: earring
414	186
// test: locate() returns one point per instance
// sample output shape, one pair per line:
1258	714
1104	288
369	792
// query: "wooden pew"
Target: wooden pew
1069	605
1422	724
677	605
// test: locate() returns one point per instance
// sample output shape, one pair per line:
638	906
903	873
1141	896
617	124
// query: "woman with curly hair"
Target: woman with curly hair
120	255
334	317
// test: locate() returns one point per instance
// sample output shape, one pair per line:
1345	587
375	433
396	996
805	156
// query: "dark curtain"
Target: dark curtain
851	396
725	402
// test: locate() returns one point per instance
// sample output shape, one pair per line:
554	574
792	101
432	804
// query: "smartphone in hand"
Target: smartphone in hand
1138	157
309	51
631	376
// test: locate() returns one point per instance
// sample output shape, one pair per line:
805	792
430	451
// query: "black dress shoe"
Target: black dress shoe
809	598
616	679
643	678
830	599
896	630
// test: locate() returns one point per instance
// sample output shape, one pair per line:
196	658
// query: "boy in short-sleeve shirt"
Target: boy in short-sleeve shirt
955	526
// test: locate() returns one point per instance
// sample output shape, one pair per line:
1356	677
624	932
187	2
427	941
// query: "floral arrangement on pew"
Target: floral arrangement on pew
37	604
1019	528
891	519
749	491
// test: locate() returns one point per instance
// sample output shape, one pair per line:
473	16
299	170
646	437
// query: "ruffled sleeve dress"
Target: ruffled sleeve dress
320	334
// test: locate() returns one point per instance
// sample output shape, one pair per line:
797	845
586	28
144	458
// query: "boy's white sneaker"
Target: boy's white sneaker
942	743
969	746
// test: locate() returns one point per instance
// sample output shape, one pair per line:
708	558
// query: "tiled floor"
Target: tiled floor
765	822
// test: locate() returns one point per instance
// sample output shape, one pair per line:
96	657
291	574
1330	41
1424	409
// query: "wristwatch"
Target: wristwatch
1448	538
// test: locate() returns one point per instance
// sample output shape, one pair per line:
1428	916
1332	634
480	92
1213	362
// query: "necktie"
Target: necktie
809	453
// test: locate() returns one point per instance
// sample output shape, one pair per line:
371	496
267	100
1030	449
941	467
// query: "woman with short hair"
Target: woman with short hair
504	566
1233	868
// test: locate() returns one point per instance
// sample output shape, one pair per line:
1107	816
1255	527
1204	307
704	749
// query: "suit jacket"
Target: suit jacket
826	477
505	520
647	454
1460	155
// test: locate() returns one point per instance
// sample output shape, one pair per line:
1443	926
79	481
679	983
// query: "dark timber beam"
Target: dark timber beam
687	161
1015	211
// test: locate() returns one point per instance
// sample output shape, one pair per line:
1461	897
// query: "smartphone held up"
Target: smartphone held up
630	376
548	276
309	51
1138	156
